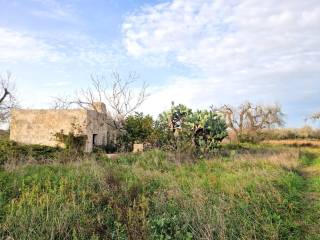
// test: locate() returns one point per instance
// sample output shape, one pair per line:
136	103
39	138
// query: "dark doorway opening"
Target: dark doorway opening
94	139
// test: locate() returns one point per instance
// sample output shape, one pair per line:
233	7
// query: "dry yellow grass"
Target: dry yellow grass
296	142
288	159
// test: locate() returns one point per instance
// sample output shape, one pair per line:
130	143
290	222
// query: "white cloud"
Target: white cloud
72	48
263	51
16	46
177	91
228	35
200	93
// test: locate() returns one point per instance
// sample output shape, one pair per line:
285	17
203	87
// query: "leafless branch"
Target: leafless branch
7	96
120	96
315	116
251	118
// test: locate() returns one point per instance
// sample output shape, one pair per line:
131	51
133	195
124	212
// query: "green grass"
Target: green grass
14	153
310	169
256	193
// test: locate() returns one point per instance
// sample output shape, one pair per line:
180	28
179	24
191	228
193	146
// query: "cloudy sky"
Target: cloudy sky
196	52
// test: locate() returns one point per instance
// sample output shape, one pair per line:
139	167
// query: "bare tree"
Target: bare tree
7	98
120	96
315	116
249	118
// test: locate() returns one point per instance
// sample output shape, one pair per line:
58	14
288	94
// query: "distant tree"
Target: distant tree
315	116
7	98
121	97
249	119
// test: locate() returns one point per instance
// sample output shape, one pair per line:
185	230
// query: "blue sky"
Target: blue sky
199	53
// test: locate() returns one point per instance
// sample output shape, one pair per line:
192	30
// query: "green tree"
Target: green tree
138	128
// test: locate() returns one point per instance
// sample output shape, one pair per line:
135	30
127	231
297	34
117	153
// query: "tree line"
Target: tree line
201	129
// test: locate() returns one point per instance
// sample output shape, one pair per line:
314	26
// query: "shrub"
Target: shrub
137	129
72	141
14	153
4	135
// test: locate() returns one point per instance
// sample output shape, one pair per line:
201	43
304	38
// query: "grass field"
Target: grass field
255	192
295	142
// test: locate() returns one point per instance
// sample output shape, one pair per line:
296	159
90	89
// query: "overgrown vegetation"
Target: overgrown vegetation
179	128
71	141
244	192
201	130
14	154
138	129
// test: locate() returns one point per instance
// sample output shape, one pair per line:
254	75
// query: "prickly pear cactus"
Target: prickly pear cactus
205	129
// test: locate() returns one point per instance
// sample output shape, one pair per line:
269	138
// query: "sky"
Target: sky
196	52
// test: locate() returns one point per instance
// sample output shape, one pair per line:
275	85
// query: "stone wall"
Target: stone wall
99	127
39	126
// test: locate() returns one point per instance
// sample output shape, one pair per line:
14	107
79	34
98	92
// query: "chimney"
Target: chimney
99	107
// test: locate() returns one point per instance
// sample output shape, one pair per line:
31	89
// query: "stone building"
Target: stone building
40	126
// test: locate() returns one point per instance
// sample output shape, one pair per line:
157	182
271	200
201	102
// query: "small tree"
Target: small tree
169	124
138	128
163	135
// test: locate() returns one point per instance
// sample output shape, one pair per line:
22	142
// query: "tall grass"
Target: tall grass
310	160
252	194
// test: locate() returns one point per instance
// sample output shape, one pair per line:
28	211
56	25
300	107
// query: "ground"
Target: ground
243	192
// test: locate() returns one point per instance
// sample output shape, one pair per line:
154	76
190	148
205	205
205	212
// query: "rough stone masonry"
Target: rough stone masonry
40	126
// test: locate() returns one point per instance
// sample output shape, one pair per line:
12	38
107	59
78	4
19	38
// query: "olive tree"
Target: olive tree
248	119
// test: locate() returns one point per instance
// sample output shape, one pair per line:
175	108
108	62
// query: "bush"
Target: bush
13	153
4	135
110	147
72	141
138	128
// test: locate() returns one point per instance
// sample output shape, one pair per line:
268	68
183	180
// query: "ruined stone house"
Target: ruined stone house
40	126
